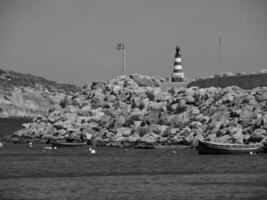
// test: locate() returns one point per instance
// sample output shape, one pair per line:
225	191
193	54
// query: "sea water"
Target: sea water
114	173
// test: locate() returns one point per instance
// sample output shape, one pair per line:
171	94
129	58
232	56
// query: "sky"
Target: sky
74	41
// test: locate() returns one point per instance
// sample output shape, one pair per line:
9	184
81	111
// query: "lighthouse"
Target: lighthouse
178	74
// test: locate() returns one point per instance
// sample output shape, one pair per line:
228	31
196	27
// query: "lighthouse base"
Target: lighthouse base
168	85
177	79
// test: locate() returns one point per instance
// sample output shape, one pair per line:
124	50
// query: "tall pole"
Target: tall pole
124	60
122	46
219	55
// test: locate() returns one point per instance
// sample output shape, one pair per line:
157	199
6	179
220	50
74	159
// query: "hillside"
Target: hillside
24	95
246	81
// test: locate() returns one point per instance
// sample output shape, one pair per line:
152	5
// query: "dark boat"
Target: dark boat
68	144
207	147
143	145
265	147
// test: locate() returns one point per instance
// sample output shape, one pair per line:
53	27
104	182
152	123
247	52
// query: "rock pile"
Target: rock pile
133	110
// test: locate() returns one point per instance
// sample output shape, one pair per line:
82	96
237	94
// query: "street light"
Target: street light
219	55
122	46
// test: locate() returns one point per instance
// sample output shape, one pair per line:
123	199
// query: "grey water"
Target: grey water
114	173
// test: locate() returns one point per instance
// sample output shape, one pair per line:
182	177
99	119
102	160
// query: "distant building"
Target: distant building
178	74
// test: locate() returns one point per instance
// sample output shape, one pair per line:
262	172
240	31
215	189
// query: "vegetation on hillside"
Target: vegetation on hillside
10	79
248	81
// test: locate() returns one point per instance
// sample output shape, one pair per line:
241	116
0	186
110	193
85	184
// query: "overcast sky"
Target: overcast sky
74	41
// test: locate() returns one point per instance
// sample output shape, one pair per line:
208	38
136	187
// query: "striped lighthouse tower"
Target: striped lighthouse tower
178	74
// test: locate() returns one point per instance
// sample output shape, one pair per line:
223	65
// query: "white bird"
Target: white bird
93	151
1	145
30	144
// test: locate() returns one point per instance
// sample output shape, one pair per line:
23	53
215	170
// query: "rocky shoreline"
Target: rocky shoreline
132	110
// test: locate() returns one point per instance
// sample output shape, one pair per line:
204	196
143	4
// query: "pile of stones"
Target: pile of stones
132	110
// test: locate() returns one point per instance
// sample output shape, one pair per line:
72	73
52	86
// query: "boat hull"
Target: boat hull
68	144
265	148
215	148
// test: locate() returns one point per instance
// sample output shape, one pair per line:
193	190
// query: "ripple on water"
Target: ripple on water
136	174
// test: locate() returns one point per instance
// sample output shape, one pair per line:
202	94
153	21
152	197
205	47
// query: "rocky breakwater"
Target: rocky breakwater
24	95
132	110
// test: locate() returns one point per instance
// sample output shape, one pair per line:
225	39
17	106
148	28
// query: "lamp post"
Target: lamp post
219	55
122	46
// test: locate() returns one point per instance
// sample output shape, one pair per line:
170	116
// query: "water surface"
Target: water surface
113	173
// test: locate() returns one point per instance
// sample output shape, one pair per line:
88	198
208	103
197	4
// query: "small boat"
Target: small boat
208	147
68	144
265	147
143	145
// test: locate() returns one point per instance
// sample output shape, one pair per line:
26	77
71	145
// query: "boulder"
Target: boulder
26	125
222	139
22	132
195	125
86	108
152	117
237	137
157	106
144	81
190	99
150	138
249	99
265	121
190	139
258	135
124	131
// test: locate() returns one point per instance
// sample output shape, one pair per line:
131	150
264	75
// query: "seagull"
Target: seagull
93	151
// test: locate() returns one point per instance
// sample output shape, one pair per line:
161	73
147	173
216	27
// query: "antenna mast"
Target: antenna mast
219	55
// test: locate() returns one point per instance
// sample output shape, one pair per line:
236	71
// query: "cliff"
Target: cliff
24	95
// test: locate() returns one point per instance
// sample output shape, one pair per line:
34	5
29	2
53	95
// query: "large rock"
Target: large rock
150	138
145	81
237	137
258	135
124	131
265	121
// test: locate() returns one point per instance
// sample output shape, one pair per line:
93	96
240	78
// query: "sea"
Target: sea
170	173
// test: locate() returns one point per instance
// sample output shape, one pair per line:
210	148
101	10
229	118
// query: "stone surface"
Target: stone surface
132	110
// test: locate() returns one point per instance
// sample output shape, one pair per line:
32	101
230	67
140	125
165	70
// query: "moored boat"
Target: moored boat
143	145
265	147
208	147
72	143
68	144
